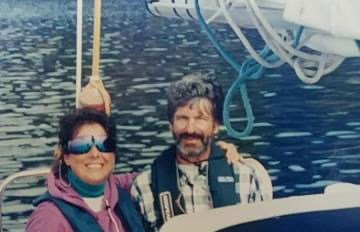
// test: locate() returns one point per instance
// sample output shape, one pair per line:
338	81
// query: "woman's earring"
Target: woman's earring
60	174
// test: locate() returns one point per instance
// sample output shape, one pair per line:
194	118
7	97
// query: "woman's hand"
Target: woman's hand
231	152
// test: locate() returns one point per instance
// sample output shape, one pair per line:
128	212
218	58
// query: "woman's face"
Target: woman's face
92	167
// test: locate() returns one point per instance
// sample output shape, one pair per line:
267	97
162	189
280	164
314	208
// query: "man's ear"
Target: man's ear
216	127
170	126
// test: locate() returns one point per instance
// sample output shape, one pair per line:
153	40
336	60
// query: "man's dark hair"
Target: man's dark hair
193	86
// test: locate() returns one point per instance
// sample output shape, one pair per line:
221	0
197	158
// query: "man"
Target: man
193	175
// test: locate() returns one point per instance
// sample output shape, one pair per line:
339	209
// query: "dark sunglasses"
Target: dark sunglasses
83	145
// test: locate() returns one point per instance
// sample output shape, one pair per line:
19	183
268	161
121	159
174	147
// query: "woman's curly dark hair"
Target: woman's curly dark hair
69	125
192	86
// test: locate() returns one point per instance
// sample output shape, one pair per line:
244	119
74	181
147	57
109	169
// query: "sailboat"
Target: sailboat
313	37
285	38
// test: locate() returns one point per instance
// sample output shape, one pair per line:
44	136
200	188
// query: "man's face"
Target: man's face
193	127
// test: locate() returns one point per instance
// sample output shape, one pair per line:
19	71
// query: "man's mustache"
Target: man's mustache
191	136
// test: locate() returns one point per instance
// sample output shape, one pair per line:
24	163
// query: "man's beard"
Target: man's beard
192	151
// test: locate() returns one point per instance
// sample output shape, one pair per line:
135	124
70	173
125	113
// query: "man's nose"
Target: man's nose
190	127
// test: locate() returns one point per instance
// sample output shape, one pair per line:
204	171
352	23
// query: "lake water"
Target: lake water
307	136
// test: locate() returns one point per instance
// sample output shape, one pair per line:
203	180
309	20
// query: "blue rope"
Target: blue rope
249	70
211	36
358	43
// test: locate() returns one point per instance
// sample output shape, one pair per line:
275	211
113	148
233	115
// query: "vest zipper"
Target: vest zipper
108	209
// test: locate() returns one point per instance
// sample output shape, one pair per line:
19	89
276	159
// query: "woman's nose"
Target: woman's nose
94	152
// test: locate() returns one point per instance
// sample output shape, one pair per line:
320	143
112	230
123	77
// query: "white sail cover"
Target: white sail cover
339	17
335	22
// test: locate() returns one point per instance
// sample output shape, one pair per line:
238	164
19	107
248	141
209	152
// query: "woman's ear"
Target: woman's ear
58	152
67	160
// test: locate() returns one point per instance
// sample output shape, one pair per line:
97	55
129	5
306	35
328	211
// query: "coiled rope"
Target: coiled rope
309	67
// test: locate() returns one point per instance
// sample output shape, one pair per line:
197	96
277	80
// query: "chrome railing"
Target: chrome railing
11	178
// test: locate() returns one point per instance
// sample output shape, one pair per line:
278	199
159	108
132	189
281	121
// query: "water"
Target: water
306	136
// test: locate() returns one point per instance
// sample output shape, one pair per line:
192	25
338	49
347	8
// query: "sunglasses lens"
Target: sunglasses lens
83	145
105	144
79	146
99	142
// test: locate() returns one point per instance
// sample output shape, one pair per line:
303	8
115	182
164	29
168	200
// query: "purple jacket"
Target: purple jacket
47	217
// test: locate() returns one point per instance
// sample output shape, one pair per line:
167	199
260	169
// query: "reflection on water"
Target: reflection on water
306	136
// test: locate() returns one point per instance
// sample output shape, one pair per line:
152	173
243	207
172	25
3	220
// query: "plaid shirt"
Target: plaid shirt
194	189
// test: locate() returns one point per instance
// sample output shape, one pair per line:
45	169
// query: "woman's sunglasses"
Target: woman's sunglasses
83	145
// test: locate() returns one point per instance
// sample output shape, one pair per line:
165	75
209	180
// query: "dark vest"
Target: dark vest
80	220
164	179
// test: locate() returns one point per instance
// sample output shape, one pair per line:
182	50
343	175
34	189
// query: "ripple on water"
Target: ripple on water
155	148
328	165
353	124
296	168
150	154
312	87
278	188
132	145
150	86
317	184
292	134
141	162
350	171
262	144
340	132
263	124
349	136
251	138
166	134
273	170
27	141
130	128
29	191
18	128
16	207
146	133
320	161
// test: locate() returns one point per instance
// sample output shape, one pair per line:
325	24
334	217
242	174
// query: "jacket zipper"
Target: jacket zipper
108	209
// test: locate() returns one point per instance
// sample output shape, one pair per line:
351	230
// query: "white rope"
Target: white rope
324	63
213	17
273	35
309	67
244	40
78	50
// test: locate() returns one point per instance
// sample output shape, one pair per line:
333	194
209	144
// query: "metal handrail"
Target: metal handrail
28	173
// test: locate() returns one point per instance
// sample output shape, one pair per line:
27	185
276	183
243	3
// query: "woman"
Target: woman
83	195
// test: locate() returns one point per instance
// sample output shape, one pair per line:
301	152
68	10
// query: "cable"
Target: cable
78	51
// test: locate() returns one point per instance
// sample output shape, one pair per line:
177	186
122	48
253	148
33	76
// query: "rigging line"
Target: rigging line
211	36
358	43
78	51
244	40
